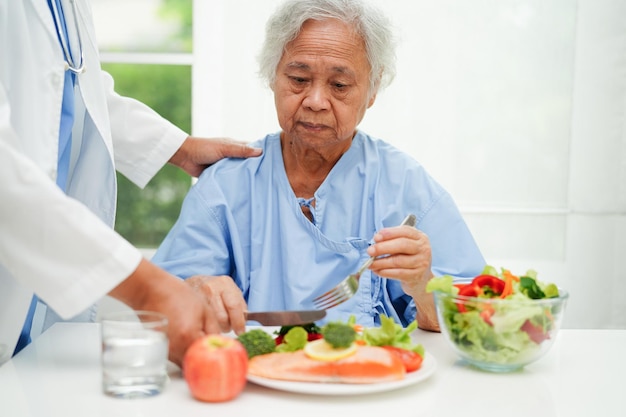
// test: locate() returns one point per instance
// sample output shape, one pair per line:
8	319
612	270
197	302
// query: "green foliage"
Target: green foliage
145	216
180	11
165	88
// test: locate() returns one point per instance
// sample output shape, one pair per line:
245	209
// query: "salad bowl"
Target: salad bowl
499	322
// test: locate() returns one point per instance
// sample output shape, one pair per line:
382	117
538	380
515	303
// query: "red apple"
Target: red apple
215	368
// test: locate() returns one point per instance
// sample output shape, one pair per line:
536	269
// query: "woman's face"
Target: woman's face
322	85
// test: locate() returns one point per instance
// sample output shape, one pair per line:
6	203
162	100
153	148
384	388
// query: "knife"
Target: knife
285	318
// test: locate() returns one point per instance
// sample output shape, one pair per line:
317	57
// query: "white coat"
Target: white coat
63	249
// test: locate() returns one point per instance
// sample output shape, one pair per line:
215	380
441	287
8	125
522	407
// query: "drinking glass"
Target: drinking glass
134	353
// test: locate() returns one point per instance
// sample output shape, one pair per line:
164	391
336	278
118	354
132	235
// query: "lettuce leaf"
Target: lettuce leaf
483	342
391	333
444	284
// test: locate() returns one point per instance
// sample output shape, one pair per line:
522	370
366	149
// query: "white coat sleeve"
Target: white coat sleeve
49	243
143	141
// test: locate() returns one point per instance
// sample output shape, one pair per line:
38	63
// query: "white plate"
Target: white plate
428	367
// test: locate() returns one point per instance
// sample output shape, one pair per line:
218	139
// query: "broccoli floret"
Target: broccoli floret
295	339
257	342
339	335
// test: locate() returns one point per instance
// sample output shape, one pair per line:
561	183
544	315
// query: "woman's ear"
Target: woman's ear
374	92
372	100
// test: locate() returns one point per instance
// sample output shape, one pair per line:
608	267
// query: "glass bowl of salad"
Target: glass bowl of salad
499	322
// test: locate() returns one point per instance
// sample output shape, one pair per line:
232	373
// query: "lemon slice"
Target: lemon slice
322	351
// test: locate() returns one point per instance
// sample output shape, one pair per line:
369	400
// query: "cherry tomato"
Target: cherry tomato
535	332
412	360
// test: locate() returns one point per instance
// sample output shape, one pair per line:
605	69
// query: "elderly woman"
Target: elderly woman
324	196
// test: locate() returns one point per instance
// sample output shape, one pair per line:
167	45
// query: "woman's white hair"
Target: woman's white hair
368	22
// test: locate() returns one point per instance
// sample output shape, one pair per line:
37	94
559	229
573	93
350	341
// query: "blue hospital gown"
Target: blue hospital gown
242	219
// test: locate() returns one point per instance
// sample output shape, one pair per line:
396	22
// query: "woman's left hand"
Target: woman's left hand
406	256
407	259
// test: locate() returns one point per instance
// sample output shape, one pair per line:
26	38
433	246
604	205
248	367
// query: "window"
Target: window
149	58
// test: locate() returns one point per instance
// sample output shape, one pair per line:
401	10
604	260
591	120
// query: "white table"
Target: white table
583	375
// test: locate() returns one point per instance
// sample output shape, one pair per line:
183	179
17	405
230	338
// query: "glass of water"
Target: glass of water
134	353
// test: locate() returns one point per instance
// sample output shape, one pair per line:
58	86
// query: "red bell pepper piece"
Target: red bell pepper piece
480	286
483	285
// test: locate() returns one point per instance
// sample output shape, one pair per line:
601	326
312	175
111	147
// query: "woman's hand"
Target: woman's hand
409	261
406	255
223	295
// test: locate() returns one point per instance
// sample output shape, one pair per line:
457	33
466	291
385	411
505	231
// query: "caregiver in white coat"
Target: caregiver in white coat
62	247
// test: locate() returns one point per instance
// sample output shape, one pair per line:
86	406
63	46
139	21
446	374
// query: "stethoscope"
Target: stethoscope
69	60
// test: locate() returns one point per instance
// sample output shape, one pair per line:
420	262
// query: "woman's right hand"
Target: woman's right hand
225	298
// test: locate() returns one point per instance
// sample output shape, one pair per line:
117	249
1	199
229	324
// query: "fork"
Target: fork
350	284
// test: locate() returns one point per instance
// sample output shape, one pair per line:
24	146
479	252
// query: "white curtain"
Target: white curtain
518	107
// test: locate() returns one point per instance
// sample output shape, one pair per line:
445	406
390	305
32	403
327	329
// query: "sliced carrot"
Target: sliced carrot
357	328
508	283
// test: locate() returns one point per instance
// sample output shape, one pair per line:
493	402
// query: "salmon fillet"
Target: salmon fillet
368	365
